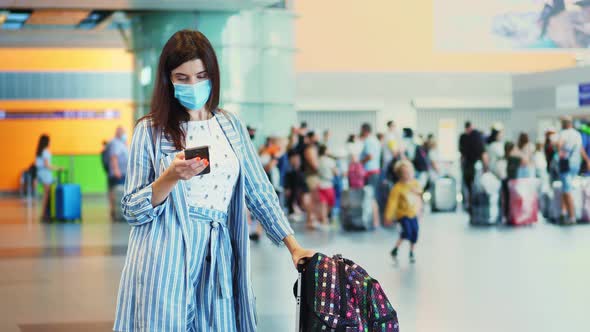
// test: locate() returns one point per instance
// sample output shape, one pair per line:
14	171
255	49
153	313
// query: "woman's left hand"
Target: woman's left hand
301	253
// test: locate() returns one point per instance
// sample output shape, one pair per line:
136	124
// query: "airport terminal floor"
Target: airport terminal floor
64	277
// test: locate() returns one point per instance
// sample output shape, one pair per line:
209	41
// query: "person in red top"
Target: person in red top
327	171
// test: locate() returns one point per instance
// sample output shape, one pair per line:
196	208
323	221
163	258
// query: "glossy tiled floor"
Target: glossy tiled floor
64	277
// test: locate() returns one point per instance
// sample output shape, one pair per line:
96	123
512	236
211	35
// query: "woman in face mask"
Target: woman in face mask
187	266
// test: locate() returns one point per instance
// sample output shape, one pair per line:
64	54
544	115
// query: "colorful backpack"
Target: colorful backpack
337	295
356	175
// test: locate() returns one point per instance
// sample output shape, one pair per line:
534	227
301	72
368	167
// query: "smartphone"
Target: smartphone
201	152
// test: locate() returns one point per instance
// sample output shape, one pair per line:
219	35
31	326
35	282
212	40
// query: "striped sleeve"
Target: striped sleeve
137	198
261	197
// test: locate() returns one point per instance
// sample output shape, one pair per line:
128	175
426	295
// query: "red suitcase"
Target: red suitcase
524	201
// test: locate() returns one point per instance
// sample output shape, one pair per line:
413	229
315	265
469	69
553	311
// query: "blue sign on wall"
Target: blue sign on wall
584	94
60	115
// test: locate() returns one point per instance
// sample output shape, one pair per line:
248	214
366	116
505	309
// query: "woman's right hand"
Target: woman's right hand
182	169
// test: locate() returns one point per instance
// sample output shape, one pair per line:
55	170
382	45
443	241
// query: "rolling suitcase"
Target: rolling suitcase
444	195
334	294
356	213
27	180
555	209
523	201
546	200
485	200
485	209
585	201
51	205
119	191
67	203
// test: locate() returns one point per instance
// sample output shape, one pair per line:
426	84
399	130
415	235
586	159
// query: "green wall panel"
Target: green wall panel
85	170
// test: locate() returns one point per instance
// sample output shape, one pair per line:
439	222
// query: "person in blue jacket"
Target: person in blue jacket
188	265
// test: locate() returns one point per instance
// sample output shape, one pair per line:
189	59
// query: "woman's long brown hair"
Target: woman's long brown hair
165	111
523	140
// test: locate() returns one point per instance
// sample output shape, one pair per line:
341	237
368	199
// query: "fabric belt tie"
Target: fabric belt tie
219	259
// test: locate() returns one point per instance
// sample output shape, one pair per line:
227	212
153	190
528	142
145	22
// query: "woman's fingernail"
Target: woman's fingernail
198	159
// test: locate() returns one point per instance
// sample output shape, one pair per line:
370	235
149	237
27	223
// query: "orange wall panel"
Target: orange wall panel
19	137
65	59
386	35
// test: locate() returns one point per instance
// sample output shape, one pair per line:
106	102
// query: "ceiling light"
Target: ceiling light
18	16
3	16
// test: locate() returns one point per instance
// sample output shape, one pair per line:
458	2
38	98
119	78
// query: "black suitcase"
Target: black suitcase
485	209
356	212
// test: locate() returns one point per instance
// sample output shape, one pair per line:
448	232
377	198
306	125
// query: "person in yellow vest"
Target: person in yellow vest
404	205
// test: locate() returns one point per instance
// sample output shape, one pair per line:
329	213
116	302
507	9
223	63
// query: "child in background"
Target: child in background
403	205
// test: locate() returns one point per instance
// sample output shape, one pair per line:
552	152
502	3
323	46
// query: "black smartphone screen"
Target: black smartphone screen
201	152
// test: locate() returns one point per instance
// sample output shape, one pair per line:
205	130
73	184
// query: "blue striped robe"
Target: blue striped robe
154	283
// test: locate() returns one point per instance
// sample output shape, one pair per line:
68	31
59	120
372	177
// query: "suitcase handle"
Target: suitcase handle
302	264
301	267
60	176
298	303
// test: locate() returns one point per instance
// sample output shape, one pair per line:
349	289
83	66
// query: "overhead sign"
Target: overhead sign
584	94
572	96
566	96
59	115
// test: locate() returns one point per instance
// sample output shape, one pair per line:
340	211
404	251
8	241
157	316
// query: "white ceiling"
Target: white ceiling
100	37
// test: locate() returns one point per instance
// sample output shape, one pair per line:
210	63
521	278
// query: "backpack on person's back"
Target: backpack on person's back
356	175
106	158
421	162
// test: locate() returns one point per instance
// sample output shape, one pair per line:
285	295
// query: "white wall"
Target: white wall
534	99
397	96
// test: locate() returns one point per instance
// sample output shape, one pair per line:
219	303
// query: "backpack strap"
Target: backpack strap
342	280
574	147
369	300
156	134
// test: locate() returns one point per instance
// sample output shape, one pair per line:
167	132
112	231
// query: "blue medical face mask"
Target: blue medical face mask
193	96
